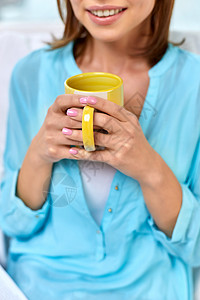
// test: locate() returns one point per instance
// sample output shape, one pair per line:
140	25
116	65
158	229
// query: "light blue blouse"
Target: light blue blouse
59	252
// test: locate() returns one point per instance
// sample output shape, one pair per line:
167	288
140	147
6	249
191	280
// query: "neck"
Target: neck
116	56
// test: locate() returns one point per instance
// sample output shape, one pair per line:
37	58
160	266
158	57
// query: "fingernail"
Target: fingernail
66	131
73	151
91	100
72	112
83	100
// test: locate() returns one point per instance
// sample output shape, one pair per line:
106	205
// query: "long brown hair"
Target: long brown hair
159	23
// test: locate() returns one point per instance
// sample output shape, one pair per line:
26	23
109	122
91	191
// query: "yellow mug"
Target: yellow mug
104	85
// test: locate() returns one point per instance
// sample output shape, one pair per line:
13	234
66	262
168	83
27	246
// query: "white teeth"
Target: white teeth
99	13
112	12
106	13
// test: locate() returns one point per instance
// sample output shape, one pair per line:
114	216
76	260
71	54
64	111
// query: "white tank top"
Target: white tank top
97	179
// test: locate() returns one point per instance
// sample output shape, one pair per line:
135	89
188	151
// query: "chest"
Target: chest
135	91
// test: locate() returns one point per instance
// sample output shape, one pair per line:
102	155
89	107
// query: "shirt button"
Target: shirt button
37	216
116	187
110	210
98	231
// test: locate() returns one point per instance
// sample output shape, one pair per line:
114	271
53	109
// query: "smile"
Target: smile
106	13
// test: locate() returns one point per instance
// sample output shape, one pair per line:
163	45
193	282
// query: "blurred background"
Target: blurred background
186	14
26	24
26	10
23	15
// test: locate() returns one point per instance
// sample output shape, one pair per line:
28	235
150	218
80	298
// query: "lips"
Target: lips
104	7
105	20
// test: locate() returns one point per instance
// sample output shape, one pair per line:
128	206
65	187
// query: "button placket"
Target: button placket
100	249
113	197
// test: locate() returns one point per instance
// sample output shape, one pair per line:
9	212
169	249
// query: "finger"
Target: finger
100	120
109	108
76	135
75	121
63	139
102	156
58	138
105	140
72	134
106	122
70	123
76	113
100	139
67	121
65	101
63	152
64	121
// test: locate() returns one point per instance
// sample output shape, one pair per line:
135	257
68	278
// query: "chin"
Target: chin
107	38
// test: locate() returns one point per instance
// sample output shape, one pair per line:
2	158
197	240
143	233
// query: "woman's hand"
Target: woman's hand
51	143
127	149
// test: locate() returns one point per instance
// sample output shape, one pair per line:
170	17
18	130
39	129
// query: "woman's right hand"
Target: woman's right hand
51	144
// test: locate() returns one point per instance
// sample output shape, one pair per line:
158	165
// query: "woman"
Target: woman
139	236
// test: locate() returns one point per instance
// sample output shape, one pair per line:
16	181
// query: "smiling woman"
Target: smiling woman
121	223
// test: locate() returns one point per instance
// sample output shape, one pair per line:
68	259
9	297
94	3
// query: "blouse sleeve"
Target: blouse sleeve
17	219
185	240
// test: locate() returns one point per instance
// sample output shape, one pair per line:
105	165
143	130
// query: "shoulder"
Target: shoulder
186	83
181	68
188	62
28	66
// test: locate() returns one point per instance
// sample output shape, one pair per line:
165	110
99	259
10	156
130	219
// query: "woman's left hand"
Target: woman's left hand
127	149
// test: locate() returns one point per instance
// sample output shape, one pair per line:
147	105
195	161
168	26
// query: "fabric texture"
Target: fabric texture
97	178
59	251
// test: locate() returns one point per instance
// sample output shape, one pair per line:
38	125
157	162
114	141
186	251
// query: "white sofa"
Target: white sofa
14	44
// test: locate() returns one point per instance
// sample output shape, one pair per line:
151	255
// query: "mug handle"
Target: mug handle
87	128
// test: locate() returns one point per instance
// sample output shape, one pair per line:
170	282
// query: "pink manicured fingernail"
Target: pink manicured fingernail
73	151
91	100
72	112
66	131
83	100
